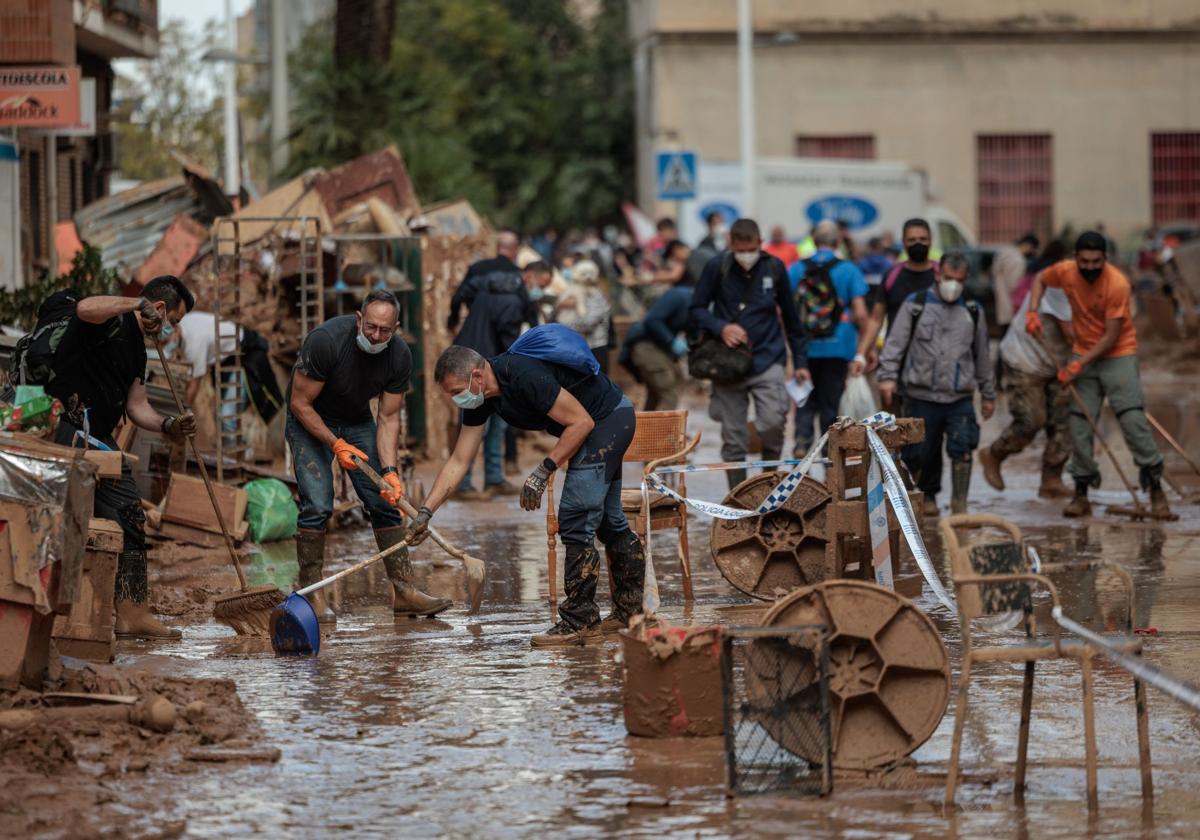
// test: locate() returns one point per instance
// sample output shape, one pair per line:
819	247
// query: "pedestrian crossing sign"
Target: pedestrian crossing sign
676	176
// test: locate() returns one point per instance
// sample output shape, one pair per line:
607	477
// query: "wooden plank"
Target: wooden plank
187	503
195	536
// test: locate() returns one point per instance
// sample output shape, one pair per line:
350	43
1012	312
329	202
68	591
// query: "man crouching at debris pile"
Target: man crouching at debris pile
343	365
99	375
562	392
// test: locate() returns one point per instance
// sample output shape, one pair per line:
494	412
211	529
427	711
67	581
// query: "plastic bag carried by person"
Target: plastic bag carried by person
271	512
857	400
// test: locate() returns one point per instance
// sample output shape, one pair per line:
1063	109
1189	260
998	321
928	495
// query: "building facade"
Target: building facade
1026	114
60	174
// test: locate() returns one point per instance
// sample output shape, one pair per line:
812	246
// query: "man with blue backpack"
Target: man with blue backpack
831	301
550	381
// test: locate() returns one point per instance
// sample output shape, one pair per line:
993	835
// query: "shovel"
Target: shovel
294	627
475	568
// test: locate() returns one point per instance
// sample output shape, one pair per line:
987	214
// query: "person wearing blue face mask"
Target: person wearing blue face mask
343	365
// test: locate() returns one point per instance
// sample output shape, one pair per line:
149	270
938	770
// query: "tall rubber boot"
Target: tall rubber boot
579	618
310	556
132	590
627	561
1151	481
1079	506
990	461
960	485
735	477
406	598
1052	486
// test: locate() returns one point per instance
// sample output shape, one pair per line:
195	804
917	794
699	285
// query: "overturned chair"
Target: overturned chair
994	578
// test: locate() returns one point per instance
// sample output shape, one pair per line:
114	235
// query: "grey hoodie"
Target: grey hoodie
948	354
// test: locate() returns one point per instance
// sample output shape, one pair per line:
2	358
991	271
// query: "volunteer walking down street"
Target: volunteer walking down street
549	381
99	375
343	365
1103	365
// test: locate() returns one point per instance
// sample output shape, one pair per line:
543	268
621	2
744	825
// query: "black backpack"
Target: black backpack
33	355
817	300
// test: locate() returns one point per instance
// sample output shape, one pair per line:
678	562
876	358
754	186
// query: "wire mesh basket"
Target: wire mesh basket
777	712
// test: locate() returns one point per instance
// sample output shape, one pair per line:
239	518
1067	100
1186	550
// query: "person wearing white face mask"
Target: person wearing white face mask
937	357
343	365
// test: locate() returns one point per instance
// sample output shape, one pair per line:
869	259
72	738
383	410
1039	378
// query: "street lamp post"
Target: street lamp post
745	51
233	179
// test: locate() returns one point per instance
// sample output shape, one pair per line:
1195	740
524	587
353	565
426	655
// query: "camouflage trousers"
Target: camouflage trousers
1035	403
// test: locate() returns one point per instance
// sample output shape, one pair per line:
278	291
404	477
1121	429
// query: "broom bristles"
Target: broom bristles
249	612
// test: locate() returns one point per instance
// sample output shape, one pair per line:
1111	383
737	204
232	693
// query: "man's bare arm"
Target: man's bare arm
452	472
305	391
577	425
100	308
387	428
137	406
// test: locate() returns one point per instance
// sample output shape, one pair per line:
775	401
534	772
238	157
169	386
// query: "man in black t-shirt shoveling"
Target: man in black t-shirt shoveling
594	423
344	364
99	375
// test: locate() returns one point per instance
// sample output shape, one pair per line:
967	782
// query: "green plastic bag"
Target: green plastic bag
271	512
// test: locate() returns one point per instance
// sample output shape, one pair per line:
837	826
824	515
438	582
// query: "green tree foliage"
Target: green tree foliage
87	276
516	104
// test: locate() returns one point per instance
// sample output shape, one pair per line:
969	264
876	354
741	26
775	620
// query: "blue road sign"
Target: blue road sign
676	176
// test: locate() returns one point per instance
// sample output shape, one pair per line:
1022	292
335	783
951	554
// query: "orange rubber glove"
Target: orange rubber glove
1072	370
394	492
1033	324
346	453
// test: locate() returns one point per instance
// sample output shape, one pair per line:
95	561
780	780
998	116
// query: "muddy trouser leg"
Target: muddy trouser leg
962	430
382	515
730	406
1083	466
770	409
924	459
660	373
829	382
626	558
311	464
1058	419
1123	387
1027	405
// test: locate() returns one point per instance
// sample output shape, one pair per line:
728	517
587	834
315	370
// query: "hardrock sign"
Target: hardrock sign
39	97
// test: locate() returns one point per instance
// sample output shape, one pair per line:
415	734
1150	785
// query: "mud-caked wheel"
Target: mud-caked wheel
889	675
769	556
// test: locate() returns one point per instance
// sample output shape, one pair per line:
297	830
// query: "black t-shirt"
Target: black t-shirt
907	282
94	367
529	387
352	378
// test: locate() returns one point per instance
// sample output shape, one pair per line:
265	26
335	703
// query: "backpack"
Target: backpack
817	299
33	355
558	345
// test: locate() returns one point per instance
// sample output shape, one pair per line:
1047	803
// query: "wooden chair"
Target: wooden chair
992	578
659	440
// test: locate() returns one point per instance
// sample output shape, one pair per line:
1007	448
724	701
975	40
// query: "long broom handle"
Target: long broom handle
1158	427
1104	445
349	570
212	495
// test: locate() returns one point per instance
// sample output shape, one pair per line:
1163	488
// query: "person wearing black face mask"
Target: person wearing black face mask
1103	365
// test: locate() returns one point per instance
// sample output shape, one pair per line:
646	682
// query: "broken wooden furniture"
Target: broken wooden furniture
659	440
86	631
187	514
821	532
992	578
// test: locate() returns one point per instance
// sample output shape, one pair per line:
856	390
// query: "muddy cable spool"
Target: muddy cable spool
889	674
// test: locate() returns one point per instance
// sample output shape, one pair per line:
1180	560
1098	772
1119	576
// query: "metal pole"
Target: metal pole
745	43
52	198
279	91
233	180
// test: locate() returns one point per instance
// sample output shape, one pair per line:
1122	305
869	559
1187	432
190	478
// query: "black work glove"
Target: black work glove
419	530
535	485
152	319
178	428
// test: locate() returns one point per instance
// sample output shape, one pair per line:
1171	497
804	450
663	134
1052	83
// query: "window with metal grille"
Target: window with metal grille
1015	174
1175	176
846	146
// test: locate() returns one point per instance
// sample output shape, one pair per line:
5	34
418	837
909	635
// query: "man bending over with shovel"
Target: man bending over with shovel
343	365
594	423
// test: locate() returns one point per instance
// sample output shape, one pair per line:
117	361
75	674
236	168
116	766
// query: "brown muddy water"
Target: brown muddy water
456	727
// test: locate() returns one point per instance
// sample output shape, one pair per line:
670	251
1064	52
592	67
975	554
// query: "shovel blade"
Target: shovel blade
294	628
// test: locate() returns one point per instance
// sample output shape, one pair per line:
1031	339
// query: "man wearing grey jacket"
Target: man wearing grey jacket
937	355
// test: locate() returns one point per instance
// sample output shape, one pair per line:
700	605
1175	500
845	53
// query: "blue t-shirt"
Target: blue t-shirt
849	284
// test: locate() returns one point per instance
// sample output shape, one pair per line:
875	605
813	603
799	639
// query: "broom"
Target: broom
248	612
474	567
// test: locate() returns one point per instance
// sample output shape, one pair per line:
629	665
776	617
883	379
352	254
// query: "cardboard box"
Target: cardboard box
87	631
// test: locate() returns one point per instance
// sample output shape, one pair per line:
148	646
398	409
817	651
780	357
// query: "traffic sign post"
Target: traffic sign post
676	175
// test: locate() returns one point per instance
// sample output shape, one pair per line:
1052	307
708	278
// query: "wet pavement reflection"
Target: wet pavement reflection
457	727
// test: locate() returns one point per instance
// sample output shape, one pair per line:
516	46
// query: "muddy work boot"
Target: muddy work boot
134	618
627	562
407	599
579	618
564	635
1052	486
930	505
990	461
1079	505
310	556
960	485
1151	481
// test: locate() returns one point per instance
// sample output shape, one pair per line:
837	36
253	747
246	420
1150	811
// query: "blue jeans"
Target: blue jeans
493	455
590	504
312	462
955	422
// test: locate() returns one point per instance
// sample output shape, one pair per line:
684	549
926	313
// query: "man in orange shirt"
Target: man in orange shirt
780	248
1103	364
